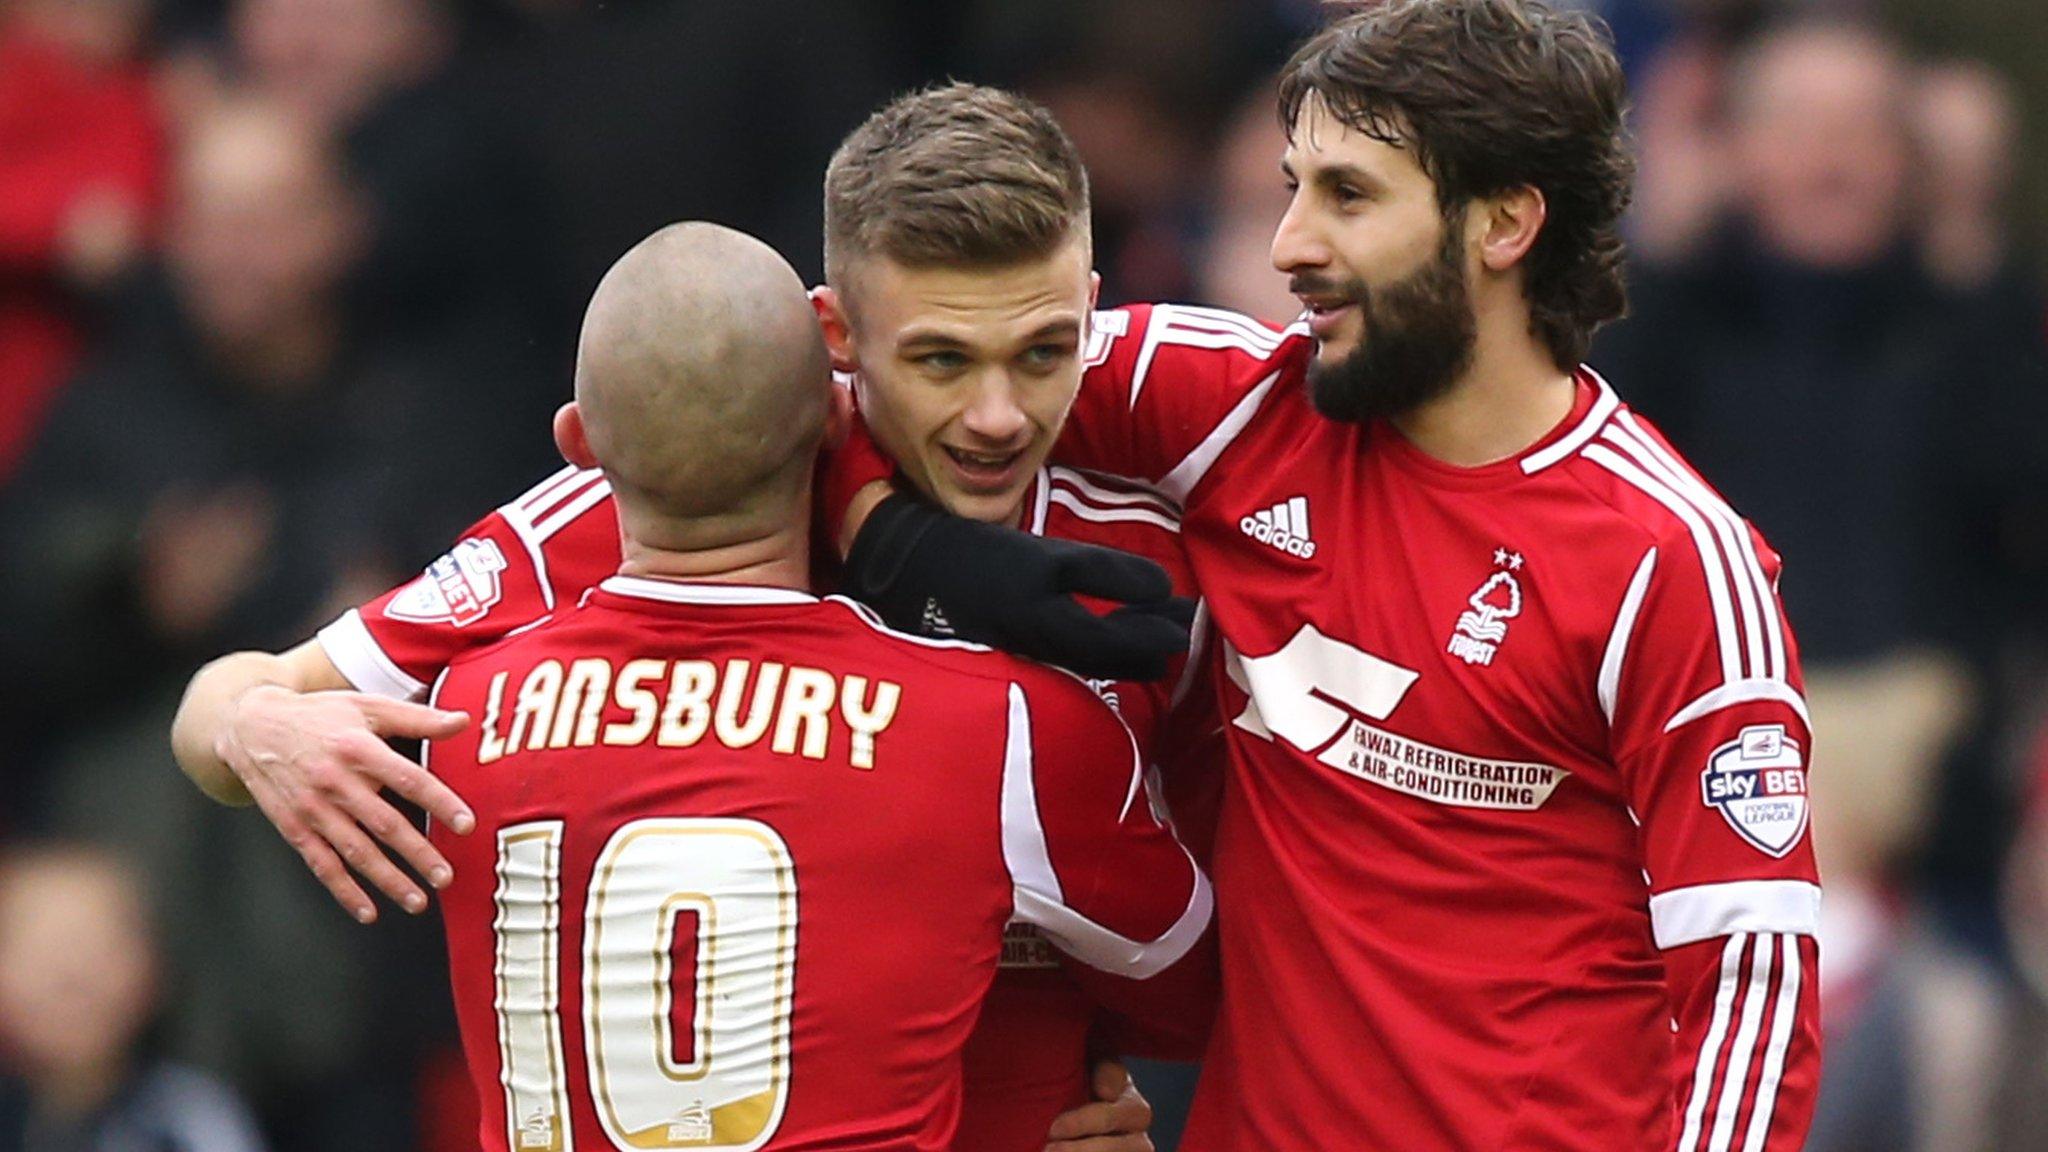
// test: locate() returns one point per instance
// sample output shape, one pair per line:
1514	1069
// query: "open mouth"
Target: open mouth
984	469
1325	313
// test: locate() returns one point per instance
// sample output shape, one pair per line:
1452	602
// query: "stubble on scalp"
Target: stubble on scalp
703	382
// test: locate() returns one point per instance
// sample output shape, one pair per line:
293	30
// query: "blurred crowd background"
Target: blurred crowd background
288	289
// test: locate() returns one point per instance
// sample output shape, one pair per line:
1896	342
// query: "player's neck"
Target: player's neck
780	559
1510	397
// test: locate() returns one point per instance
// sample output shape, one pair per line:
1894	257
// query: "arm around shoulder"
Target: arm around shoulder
1095	868
205	715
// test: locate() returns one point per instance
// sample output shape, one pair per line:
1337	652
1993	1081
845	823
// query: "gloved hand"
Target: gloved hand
934	574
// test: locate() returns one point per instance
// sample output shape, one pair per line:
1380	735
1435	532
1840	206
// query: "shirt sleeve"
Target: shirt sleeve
1093	867
1167	387
509	570
1702	686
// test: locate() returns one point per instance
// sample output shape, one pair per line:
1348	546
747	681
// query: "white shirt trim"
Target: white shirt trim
1035	887
363	661
1100	515
1604	405
692	592
1739	692
1704	911
1609	684
1189	472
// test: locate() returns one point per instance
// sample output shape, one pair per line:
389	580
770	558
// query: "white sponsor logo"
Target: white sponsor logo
1284	526
1483	627
1318	694
1104	329
1758	781
537	1130
459	588
1441	775
691	1126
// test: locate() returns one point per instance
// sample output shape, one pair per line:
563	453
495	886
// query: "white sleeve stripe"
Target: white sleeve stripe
1147	348
1105	950
534	527
1087	488
363	661
1703	540
1710	1046
568	511
1041	490
1035	887
1024	851
1252	336
1603	407
539	496
1759	607
1189	472
1739	692
1773	627
1746	590
1099	515
1735	1079
1774	1054
1609	682
1188	326
1704	911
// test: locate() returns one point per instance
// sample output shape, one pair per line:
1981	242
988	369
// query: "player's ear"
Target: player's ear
572	440
1094	289
838	417
838	329
1508	225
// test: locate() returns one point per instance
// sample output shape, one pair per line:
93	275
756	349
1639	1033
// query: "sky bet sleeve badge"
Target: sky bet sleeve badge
1758	782
459	588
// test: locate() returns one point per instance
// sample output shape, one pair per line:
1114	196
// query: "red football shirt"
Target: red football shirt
1513	848
743	862
543	550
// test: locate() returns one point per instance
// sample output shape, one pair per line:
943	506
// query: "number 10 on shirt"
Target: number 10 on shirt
689	957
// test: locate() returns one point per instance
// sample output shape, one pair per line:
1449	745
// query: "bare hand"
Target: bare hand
316	763
1116	1122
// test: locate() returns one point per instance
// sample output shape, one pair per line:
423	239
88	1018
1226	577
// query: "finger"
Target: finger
409	720
390	826
1178	609
1120	646
1110	1080
362	855
1108	574
320	859
1088	1120
372	758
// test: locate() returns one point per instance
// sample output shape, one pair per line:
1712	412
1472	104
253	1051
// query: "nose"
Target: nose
1297	243
994	414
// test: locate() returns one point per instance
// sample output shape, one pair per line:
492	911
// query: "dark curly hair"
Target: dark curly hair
1493	95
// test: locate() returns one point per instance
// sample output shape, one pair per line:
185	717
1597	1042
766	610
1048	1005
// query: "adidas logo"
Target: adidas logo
934	622
1284	526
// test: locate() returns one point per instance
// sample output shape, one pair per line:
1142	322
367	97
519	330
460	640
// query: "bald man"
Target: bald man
745	856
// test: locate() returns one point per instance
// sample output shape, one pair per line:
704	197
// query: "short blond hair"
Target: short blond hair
958	175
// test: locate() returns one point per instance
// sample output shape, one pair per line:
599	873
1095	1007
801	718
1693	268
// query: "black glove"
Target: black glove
934	574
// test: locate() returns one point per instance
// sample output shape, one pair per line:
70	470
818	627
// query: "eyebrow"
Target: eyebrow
1055	329
1331	175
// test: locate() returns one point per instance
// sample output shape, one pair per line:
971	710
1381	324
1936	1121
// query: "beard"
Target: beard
1417	339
